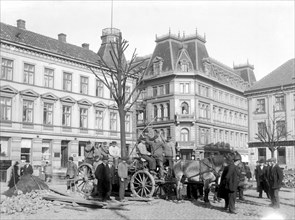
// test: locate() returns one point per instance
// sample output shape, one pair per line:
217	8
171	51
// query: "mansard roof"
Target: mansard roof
284	75
37	41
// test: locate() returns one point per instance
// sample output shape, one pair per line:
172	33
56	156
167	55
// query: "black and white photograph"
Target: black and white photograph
147	110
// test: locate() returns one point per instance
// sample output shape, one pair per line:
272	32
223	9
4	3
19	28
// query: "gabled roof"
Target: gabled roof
281	76
50	96
38	41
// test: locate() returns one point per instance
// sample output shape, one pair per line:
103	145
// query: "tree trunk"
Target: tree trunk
122	115
272	151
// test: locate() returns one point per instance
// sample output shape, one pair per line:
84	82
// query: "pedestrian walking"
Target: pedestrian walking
123	177
229	185
248	171
102	174
27	168
241	180
71	175
15	174
275	182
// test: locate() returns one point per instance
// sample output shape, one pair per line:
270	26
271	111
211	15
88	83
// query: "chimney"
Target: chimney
21	24
85	45
62	37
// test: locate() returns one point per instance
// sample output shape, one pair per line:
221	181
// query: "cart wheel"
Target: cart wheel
85	181
142	184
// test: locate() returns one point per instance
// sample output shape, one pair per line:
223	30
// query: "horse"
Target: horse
206	170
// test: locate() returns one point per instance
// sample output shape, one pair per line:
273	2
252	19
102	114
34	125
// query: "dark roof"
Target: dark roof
281	76
38	41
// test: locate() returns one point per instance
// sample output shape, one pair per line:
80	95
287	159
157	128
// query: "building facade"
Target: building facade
51	103
272	108
194	98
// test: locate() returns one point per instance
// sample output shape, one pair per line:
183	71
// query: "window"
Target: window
261	153
167	89
83	85
204	90
28	111
113	88
29	72
280	103
99	88
6	69
184	134
127	123
184	108
5	110
25	150
184	88
48	77
204	135
204	110
155	91
157	67
66	116
162	111
83	117
281	128
127	93
155	111
281	155
260	106
99	119
113	120
184	65
67	86
48	114
4	146
161	90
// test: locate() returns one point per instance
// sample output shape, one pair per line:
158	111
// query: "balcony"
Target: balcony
185	118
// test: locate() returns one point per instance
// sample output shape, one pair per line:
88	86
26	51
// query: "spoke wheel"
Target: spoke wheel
142	184
85	181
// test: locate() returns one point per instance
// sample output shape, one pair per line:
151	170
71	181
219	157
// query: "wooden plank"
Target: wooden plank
75	208
139	199
58	192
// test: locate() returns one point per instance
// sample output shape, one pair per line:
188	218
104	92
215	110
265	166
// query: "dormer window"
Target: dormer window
157	65
184	65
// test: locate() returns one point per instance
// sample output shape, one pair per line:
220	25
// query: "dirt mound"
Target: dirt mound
27	183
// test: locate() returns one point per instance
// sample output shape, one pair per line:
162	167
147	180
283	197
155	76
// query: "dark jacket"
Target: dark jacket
103	175
229	178
14	177
276	177
27	169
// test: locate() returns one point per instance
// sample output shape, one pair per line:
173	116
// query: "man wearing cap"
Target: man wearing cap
275	183
259	176
115	153
170	153
102	174
123	177
229	184
71	174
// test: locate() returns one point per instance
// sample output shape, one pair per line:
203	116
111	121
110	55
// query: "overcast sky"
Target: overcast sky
236	31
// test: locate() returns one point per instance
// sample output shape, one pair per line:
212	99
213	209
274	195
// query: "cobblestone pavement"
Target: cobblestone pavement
252	208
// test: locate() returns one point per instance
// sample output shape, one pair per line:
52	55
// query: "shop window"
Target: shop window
4	147
261	153
26	145
281	155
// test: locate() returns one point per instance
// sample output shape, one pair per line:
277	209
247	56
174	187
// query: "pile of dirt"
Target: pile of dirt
27	183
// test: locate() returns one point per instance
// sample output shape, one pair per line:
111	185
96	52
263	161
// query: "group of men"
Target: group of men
269	177
157	151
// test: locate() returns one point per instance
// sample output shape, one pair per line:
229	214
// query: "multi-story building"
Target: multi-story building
51	103
194	98
272	108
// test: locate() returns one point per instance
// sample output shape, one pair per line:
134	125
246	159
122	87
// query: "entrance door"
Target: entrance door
186	154
64	153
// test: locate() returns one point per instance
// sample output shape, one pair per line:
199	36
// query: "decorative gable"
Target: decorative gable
8	91
84	102
184	63
30	93
99	105
49	96
157	65
114	106
68	99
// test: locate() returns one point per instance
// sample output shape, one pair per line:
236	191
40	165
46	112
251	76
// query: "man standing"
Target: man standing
158	152
123	177
27	169
71	174
259	176
102	174
115	153
275	182
229	184
170	154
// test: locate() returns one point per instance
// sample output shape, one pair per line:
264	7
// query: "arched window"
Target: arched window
184	134
162	111
155	111
184	108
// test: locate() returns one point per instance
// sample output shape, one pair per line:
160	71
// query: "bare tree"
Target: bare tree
272	131
115	75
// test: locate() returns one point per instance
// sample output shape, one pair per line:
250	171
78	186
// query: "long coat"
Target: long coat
27	169
103	175
259	176
229	180
276	177
14	177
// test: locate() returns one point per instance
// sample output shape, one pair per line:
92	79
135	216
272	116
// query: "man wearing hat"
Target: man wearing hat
170	153
259	176
71	174
27	168
229	184
123	177
275	183
115	153
102	174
